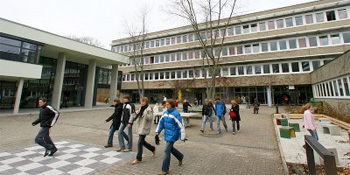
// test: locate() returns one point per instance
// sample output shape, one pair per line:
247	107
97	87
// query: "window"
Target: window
167	58
285	67
262	26
173	57
257	69
340	84
330	15
178	56
190	74
295	67
271	25
184	56
342	14
168	41
273	46
173	40
335	38
178	39
266	68
196	54
232	71
249	70
161	75
156	59
190	55
156	76
197	73
283	45
275	68
264	47
238	30
167	75
246	29
190	37
280	23
172	75
184	39
147	44
230	31
306	66
240	70
316	64
256	48
302	42
331	89
320	17
289	22
239	50
346	37
184	74
346	85
336	88
298	20
151	76
178	74
224	51
253	27
162	42
313	41
292	44
157	43
161	58
152	43
225	71
232	50
323	40
247	49
309	19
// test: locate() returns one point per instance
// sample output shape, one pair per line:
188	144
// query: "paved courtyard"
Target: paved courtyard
80	137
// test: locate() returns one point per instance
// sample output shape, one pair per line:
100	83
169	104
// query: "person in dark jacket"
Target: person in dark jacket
235	109
186	104
206	113
47	118
128	115
116	120
256	106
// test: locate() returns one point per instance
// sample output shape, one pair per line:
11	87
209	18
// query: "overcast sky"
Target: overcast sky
105	19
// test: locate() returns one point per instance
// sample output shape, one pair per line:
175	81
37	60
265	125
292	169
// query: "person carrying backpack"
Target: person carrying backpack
47	118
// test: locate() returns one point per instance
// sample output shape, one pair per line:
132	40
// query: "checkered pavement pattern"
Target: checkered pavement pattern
71	158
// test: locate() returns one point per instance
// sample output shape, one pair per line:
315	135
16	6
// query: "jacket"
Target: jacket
47	117
116	116
205	110
220	109
309	121
236	110
172	123
211	109
144	122
186	105
128	113
256	104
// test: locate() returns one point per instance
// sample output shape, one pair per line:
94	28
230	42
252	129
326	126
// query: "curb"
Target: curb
284	163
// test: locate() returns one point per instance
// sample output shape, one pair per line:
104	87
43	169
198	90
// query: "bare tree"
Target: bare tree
87	40
217	16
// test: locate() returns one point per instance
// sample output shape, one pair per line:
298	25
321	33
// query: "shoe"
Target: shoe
163	173
53	151
46	153
238	130
119	149
154	152
127	150
226	129
233	133
218	132
211	129
135	162
180	162
108	146
202	131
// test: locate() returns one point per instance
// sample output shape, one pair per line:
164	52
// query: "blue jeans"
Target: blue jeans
205	119
234	125
218	119
111	134
313	134
169	148
43	138
122	135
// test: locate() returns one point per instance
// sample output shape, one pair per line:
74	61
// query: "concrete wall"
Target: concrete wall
13	70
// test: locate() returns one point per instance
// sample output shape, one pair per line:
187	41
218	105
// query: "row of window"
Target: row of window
339	88
241	70
298	20
263	47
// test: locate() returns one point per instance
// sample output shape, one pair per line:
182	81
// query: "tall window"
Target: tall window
240	70
302	42
256	48
335	38
298	20
245	28
262	26
253	27
289	22
238	30
275	68
330	15
283	45
266	68
306	66
346	37
232	71
257	69
285	67
264	47
292	43
271	25
323	40
273	46
247	49
320	17
280	23
342	14
295	67
312	41
309	19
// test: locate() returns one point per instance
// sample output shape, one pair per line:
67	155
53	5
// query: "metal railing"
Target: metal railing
328	158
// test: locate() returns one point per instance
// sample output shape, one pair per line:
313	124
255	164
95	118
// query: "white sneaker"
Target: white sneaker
238	130
233	133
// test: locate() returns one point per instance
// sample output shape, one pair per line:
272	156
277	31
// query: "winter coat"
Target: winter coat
144	121
236	110
116	116
205	110
220	109
47	117
186	105
173	126
256	104
211	109
128	113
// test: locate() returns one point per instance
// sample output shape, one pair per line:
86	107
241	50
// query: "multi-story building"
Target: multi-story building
267	55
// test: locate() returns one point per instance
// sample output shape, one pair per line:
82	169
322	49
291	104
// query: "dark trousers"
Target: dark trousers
43	138
142	142
169	149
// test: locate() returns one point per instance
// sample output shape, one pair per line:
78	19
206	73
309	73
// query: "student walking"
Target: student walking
220	114
235	116
207	111
47	118
174	129
155	110
309	120
256	106
247	102
185	105
144	118
128	115
116	120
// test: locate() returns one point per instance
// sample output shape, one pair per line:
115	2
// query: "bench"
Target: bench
324	120
296	126
331	129
185	116
282	121
287	132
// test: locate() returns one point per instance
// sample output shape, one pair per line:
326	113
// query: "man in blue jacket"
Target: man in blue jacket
220	110
174	129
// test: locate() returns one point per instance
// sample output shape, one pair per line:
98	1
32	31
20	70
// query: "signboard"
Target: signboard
291	87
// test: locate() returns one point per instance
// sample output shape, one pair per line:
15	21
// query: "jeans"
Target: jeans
43	138
111	134
313	134
122	135
186	111
218	119
234	126
142	142
169	148
205	119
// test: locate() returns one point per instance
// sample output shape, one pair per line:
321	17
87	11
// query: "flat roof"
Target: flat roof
55	44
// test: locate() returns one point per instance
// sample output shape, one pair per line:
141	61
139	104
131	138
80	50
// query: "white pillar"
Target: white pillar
18	96
90	84
114	84
58	84
268	91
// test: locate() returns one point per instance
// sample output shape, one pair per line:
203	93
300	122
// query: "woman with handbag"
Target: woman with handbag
234	116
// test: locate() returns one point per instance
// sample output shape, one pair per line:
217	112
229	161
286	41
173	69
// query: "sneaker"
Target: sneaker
233	133
127	150
163	173
238	130
135	162
53	151
154	152
119	149
202	131
108	146
46	153
180	162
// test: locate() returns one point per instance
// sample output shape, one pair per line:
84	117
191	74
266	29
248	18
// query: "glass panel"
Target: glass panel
305	65
298	20
346	37
197	73
330	15
161	58
346	85
285	67
232	71
302	42
247	49
9	41
249	70
184	56
283	45
29	46
157	43
342	14
309	19
232	50
266	69
254	27
172	75
190	74
161	75
238	30
313	41
292	43
239	50
9	49
178	39
225	71
271	25
184	74
224	51
323	40
168	41
262	26
240	70
264	47
340	87
295	67
184	39
335	38
162	42
273	46
173	56
320	17
167	58
246	29
275	68
178	74
280	23
256	48
257	69
316	64
289	22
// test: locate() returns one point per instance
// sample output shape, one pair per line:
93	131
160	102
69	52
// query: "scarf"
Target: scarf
141	111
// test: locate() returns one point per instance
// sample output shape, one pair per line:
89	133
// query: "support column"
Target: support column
18	96
114	84
268	91
90	84
58	84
